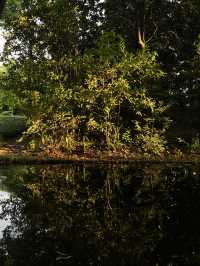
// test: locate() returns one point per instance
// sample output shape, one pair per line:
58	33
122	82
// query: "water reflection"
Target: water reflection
101	215
4	222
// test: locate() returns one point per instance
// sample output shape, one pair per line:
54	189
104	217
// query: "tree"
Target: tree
62	79
167	30
52	45
91	16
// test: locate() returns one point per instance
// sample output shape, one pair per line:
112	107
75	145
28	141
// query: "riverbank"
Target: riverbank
19	155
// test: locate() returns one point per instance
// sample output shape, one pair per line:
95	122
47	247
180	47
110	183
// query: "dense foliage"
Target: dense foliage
83	82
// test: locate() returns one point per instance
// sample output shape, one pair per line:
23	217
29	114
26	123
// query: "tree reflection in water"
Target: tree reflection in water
102	215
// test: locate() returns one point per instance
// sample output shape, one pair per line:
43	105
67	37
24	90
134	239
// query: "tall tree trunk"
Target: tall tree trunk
140	23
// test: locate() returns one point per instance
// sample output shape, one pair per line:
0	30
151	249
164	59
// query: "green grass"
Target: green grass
11	125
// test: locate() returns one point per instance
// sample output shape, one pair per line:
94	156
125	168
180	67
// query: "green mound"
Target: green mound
11	125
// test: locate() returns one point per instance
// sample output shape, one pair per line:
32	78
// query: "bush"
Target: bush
105	102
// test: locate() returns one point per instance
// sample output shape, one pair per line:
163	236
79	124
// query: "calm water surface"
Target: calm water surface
100	214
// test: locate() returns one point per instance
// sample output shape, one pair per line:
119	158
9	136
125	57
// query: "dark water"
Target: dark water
99	214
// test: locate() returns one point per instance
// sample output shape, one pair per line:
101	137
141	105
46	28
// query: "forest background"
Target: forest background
93	76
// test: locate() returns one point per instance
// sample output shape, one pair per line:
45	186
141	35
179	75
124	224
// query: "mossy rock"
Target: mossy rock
12	125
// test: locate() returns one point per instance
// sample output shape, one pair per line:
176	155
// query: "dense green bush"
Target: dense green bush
109	105
80	98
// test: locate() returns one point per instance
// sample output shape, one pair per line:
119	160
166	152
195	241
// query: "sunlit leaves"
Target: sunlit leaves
78	98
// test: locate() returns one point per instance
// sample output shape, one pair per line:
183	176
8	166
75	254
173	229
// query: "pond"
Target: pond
100	214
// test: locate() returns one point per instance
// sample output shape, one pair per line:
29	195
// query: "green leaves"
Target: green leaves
75	96
114	86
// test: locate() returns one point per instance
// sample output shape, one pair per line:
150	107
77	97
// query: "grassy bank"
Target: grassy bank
23	156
